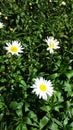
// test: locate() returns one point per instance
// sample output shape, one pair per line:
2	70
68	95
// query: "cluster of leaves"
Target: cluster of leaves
31	21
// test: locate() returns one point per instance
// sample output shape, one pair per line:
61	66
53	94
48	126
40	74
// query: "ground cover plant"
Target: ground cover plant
36	88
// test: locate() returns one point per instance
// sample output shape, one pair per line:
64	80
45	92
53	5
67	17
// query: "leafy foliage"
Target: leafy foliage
30	22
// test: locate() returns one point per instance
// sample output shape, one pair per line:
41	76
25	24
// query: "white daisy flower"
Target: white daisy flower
42	88
14	48
52	44
1	25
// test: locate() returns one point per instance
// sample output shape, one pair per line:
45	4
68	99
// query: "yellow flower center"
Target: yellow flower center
14	49
51	45
43	87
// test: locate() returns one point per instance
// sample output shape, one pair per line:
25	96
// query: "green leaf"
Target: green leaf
71	124
26	107
32	115
69	74
24	127
65	122
23	83
19	112
54	126
13	105
43	122
1	105
28	120
2	88
57	122
1	116
46	108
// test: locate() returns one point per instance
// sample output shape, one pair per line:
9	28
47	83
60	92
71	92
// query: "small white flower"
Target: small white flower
6	17
1	25
0	13
14	48
42	88
52	44
50	0
63	3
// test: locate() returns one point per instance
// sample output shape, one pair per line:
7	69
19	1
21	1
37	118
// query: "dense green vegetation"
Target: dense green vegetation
30	22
